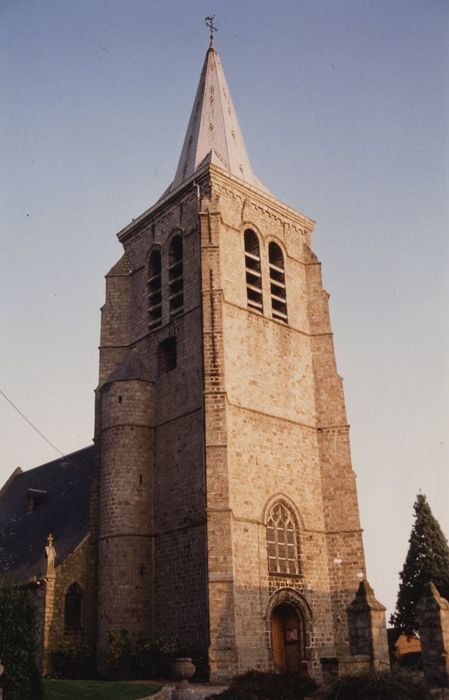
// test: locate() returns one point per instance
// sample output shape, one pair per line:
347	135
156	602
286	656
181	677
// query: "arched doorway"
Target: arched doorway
287	637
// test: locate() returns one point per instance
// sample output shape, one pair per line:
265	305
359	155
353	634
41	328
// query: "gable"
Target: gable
52	498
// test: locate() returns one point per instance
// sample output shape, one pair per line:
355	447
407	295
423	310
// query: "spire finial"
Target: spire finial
209	21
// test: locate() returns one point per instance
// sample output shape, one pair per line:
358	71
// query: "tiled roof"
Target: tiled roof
62	491
213	134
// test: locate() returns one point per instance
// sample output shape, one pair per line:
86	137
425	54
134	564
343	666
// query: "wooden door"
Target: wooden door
287	638
277	641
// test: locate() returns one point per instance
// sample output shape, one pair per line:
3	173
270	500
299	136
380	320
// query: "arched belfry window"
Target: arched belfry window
73	608
253	272
154	289
175	277
277	283
282	540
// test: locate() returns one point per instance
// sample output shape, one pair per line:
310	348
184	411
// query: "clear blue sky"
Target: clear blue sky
344	106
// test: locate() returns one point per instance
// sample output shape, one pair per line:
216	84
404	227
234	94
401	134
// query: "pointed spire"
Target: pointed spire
213	133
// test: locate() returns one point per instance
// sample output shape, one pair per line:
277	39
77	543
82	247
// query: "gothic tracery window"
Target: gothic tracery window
282	540
73	608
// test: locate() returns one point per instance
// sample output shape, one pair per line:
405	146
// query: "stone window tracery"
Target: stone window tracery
282	540
253	272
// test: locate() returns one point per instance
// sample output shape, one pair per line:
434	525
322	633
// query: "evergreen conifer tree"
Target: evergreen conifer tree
427	560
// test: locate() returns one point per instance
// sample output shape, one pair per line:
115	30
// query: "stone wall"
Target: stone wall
152	562
76	568
252	412
125	549
433	623
276	427
367	629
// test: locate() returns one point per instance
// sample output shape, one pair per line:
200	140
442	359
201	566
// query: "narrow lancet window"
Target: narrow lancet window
167	355
175	277
282	540
154	290
73	608
277	283
253	272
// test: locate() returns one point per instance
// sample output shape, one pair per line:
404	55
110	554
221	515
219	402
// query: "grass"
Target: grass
98	690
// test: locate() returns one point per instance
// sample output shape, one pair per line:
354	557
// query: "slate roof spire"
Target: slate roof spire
213	133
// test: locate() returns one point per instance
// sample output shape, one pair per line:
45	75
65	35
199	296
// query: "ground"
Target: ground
98	690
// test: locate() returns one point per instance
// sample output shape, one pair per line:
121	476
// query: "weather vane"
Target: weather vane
212	27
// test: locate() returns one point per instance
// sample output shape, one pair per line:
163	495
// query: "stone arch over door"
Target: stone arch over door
289	621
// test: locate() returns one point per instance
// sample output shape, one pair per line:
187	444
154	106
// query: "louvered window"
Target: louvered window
175	277
277	283
154	290
253	272
282	540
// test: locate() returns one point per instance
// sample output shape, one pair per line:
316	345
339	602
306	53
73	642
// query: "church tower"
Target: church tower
228	515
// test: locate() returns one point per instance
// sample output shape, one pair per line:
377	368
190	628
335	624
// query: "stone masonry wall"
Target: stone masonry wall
433	625
115	318
267	403
252	412
169	600
76	568
125	561
222	648
342	523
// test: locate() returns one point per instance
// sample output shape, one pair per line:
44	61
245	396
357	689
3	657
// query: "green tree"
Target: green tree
427	560
18	645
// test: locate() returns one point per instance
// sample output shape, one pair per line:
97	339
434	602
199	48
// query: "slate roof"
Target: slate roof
213	133
132	367
63	511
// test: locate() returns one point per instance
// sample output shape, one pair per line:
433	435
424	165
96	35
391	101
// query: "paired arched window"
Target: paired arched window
175	282
73	608
253	272
277	282
175	277
282	540
154	289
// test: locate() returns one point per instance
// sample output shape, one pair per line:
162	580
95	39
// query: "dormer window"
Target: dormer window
35	497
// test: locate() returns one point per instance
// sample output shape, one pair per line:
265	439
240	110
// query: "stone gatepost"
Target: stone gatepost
367	629
433	625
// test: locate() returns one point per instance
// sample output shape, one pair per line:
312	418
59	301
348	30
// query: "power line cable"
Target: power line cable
22	415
